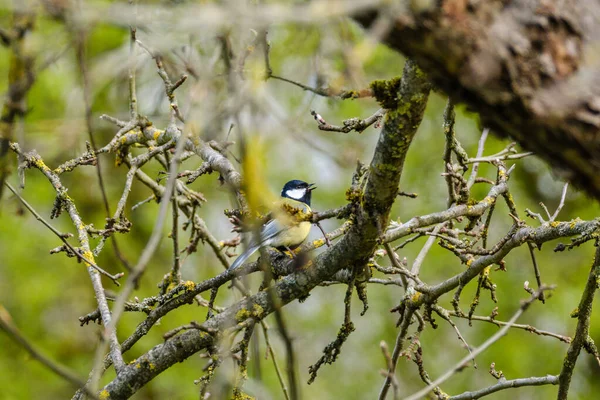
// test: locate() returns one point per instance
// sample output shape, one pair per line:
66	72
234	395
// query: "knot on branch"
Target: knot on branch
94	317
111	226
59	205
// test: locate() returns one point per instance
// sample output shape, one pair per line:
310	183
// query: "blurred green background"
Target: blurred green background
45	294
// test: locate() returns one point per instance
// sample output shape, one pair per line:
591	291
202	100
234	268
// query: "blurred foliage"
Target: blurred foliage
47	293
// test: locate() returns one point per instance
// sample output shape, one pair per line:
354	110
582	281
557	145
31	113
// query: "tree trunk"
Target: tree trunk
531	68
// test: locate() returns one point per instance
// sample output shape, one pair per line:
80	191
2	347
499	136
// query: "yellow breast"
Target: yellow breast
293	237
292	214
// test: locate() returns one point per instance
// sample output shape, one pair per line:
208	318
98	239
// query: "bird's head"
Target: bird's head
298	190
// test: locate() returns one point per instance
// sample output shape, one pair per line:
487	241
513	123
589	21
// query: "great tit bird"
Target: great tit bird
283	231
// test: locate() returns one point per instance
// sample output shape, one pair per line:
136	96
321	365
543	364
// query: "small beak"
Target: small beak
311	187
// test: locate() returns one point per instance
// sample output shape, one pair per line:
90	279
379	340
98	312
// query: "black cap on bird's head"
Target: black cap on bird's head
298	190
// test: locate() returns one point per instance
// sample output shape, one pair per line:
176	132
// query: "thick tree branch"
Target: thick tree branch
524	65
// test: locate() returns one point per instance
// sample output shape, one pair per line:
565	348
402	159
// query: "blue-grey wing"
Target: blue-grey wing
267	233
270	230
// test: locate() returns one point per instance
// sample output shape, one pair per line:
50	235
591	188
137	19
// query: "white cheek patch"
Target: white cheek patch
296	193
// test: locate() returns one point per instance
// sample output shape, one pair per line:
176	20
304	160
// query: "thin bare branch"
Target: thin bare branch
493	339
480	148
507	384
352	124
7	325
584	313
64	237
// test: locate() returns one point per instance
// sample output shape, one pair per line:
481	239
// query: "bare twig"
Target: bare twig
80	38
407	317
478	209
327	91
7	325
563	196
449	116
64	237
480	148
397	265
493	339
352	124
133	105
155	238
21	76
528	328
502	156
283	331
584	313
445	315
274	358
536	270
507	384
65	202
333	349
175	236
145	257
416	267
390	366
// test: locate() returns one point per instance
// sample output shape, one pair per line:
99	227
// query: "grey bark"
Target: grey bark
531	68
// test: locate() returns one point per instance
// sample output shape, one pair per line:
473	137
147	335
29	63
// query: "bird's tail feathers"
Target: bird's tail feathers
243	257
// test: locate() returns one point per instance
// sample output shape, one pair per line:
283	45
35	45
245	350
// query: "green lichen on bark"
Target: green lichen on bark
399	128
332	350
386	91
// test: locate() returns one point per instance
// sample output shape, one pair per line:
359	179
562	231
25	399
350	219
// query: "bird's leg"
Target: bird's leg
291	251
